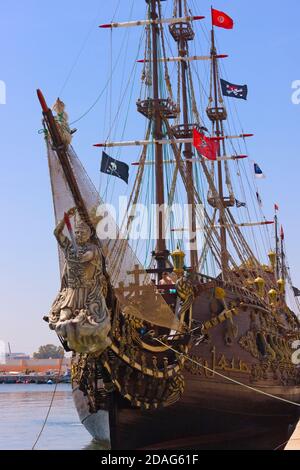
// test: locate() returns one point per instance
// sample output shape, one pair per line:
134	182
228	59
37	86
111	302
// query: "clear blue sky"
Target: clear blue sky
39	42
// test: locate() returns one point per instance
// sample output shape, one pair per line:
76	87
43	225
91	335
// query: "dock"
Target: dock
33	379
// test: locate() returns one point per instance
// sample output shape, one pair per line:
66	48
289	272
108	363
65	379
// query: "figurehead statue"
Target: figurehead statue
82	233
62	120
79	314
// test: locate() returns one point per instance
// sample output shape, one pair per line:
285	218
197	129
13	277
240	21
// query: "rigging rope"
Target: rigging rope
167	76
50	405
83	47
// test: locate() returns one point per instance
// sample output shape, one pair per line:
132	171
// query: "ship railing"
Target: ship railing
243	292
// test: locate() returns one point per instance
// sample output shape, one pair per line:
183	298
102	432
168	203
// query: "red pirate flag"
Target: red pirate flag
206	146
220	19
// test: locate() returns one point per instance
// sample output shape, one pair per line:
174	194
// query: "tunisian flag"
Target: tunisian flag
206	146
220	19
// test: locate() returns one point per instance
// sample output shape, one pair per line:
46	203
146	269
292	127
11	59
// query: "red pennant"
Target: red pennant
206	146
220	19
281	233
276	207
67	222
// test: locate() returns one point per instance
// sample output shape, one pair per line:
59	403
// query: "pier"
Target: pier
34	378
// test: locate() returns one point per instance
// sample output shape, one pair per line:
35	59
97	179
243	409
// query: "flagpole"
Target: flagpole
219	133
282	255
276	245
188	152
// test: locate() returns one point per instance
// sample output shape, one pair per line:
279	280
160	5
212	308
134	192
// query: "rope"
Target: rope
107	83
167	76
50	406
229	379
284	444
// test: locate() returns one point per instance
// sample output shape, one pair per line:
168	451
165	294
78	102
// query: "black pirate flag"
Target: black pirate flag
234	91
296	291
114	167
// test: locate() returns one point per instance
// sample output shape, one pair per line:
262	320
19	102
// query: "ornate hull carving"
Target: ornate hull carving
201	403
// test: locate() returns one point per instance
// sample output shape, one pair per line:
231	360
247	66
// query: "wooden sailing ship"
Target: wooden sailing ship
206	361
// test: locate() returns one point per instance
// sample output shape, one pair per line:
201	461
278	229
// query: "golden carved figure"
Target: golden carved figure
79	313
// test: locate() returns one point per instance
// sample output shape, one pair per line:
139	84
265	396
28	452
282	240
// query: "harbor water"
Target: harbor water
23	409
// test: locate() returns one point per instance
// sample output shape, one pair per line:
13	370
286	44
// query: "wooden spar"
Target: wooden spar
247	224
192	160
225	137
151	22
161	253
61	151
131	143
62	154
224	260
184	59
188	152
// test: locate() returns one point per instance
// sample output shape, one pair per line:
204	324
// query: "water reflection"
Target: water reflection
97	445
23	408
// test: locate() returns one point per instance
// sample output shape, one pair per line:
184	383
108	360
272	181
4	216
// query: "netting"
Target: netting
133	287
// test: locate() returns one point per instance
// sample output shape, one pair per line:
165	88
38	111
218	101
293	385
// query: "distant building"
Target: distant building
16	356
20	362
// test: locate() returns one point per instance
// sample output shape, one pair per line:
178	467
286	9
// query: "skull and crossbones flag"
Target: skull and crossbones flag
114	167
234	91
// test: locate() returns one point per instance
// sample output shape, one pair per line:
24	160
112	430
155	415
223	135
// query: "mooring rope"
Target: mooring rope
50	406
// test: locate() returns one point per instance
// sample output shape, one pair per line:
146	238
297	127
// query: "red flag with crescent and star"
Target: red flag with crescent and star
206	146
221	19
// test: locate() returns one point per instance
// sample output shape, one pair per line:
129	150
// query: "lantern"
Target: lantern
220	293
260	285
272	296
178	261
272	258
281	285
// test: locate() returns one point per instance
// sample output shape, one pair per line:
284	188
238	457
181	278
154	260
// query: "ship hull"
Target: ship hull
232	398
210	415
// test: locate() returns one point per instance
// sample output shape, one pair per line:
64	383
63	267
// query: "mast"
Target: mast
182	40
277	246
217	117
282	260
160	253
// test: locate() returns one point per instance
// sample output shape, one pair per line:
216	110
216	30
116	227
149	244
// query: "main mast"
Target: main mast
182	33
160	253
